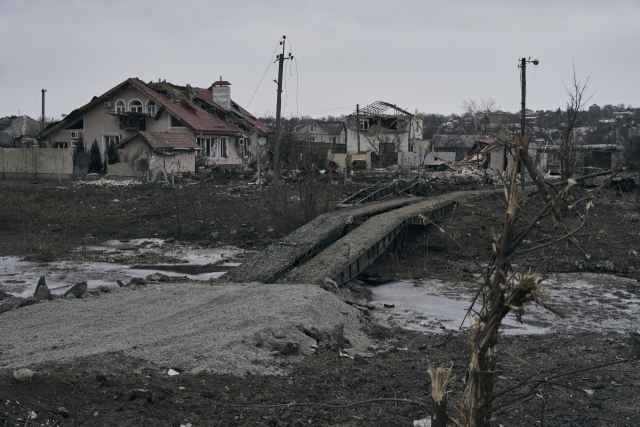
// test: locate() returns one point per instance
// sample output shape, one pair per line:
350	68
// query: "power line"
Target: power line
330	109
297	77
265	73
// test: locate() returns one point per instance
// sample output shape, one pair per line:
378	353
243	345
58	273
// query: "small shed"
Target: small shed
173	152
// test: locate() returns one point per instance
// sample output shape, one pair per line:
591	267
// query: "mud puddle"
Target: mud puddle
104	264
591	302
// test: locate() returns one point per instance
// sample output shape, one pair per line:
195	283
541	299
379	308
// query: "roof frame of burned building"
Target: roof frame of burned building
380	117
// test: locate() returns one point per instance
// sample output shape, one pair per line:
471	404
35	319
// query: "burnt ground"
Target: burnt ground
42	222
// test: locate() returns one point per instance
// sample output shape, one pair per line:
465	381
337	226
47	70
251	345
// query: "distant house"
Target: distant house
18	131
227	134
595	109
331	133
623	114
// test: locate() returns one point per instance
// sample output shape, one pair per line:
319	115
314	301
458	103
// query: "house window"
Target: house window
332	140
174	122
242	145
364	124
151	108
224	148
313	128
135	106
109	140
60	145
77	125
209	146
120	106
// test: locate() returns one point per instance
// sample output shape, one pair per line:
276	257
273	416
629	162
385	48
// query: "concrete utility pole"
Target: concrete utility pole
276	154
358	124
42	119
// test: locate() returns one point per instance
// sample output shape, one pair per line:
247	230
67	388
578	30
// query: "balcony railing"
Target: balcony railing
131	122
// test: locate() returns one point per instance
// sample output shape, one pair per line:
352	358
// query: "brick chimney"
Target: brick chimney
221	93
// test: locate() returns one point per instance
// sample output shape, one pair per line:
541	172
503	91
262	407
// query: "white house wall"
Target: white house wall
368	141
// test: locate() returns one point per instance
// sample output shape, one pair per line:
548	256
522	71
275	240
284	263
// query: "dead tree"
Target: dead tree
478	112
504	290
570	141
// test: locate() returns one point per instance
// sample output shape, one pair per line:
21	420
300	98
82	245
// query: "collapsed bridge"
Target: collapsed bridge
340	245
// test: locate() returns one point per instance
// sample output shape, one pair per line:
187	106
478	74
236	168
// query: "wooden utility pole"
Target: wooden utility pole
358	124
276	154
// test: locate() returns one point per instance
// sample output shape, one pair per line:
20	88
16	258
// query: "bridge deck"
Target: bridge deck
347	257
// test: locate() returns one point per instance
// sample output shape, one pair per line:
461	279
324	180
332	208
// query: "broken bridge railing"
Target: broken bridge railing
369	256
378	191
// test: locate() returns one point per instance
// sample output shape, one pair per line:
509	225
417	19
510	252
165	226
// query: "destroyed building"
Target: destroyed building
384	129
222	134
18	131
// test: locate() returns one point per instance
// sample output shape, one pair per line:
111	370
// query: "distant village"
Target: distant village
151	130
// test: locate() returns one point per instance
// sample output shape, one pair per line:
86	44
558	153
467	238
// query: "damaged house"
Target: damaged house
140	119
18	131
385	130
328	134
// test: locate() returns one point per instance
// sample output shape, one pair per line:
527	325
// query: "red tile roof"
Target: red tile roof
206	96
257	123
192	116
166	141
221	83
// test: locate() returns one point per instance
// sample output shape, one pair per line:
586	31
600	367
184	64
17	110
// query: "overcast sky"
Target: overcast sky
424	55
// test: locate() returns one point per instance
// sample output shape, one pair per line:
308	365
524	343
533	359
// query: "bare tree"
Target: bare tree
381	141
569	151
507	288
478	113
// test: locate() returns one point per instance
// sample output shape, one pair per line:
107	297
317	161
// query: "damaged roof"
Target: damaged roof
379	108
191	116
206	96
164	141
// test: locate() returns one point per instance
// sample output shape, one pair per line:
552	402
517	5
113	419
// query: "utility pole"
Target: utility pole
42	119
358	124
523	86
276	154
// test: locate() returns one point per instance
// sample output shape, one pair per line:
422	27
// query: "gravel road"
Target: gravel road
227	328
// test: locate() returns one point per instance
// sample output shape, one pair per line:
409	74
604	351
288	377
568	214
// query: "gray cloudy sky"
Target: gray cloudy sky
424	55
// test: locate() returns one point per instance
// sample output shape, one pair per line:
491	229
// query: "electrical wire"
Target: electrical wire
534	76
286	92
297	84
297	77
330	109
265	73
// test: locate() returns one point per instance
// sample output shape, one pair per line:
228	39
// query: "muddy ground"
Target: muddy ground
41	222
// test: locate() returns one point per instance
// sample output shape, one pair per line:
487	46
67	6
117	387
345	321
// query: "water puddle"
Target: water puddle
589	301
104	264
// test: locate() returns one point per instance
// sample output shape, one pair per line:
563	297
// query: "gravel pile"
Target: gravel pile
278	259
228	328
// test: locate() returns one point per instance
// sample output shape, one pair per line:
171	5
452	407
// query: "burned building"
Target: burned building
384	129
